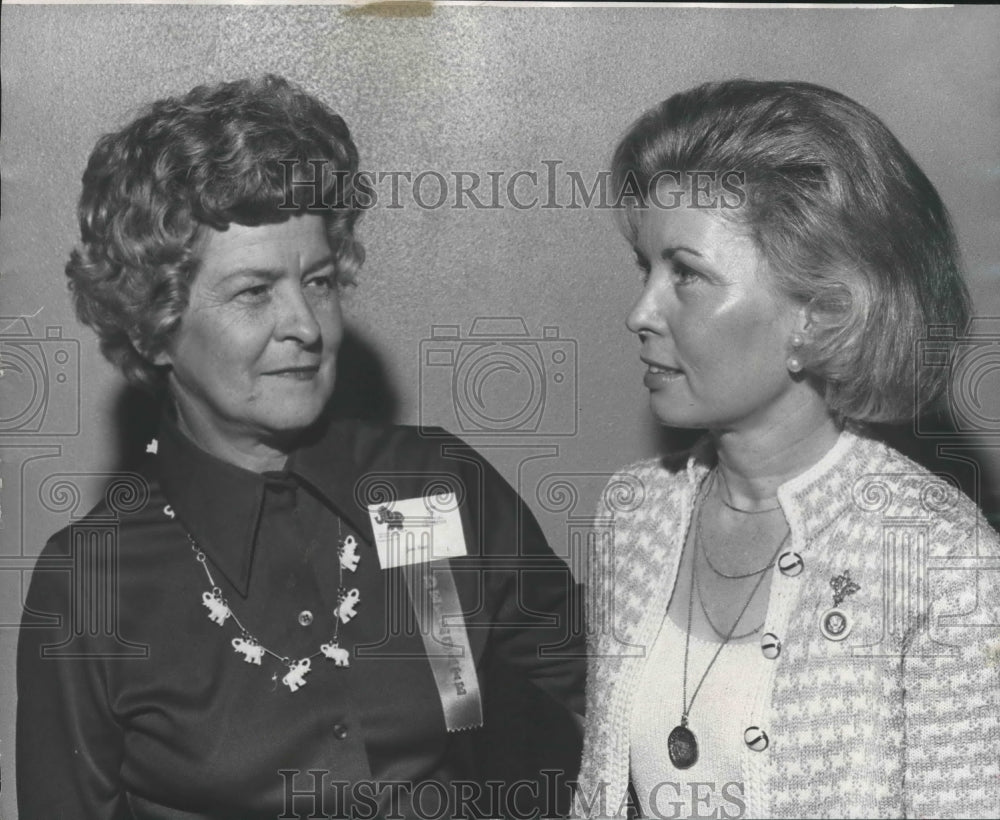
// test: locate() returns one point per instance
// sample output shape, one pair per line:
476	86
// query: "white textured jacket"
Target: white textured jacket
899	719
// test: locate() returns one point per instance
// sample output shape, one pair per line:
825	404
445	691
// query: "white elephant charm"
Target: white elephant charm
348	554
345	610
296	677
217	609
341	657
252	652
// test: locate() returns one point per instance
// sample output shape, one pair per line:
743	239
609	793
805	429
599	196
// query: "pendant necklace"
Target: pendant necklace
682	745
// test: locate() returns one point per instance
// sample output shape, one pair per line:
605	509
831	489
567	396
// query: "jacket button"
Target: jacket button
305	617
340	731
755	738
790	564
770	645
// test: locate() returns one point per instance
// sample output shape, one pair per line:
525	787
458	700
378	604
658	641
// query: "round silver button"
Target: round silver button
305	617
770	645
790	564
755	738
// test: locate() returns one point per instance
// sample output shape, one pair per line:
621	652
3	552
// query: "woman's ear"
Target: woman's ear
161	358
805	321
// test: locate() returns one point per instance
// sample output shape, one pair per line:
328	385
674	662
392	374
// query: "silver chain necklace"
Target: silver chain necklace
733	507
704	609
682	745
704	550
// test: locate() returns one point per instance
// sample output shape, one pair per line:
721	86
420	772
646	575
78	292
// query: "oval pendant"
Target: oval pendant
682	747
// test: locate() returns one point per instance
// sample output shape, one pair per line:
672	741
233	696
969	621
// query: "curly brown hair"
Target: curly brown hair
249	152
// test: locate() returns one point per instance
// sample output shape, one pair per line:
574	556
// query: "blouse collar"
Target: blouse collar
220	504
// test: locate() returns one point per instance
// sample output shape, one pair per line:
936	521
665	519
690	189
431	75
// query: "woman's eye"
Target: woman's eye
323	283
643	267
255	293
683	274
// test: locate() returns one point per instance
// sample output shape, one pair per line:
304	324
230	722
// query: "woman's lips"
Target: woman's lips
297	373
658	376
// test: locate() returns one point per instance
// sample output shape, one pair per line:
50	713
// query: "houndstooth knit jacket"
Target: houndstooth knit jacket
899	719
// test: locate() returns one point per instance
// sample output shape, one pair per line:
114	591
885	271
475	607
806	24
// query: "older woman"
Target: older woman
794	618
304	612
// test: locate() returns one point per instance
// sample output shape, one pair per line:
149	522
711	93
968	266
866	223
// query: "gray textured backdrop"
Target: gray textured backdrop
473	89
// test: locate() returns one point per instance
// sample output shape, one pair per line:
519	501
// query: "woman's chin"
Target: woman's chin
288	424
673	414
295	407
294	424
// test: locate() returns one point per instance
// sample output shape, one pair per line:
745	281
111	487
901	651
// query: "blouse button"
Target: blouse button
305	617
340	731
770	645
755	738
790	564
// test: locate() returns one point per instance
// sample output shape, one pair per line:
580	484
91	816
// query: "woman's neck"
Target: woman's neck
246	451
754	463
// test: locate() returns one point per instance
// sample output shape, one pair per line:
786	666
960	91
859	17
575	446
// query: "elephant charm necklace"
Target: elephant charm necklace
251	649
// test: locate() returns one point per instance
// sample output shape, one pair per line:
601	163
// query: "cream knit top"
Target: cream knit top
712	786
901	718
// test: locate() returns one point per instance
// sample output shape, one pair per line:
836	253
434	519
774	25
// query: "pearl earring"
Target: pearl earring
794	362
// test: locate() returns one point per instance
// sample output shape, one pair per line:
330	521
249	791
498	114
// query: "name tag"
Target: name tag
417	530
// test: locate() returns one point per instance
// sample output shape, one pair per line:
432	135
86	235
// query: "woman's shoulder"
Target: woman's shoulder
130	506
658	478
638	483
413	460
127	498
377	444
645	505
897	488
953	560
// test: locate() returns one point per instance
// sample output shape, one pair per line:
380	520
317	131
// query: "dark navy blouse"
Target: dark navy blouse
133	703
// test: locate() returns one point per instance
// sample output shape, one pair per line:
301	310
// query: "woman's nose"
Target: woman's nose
647	314
297	319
